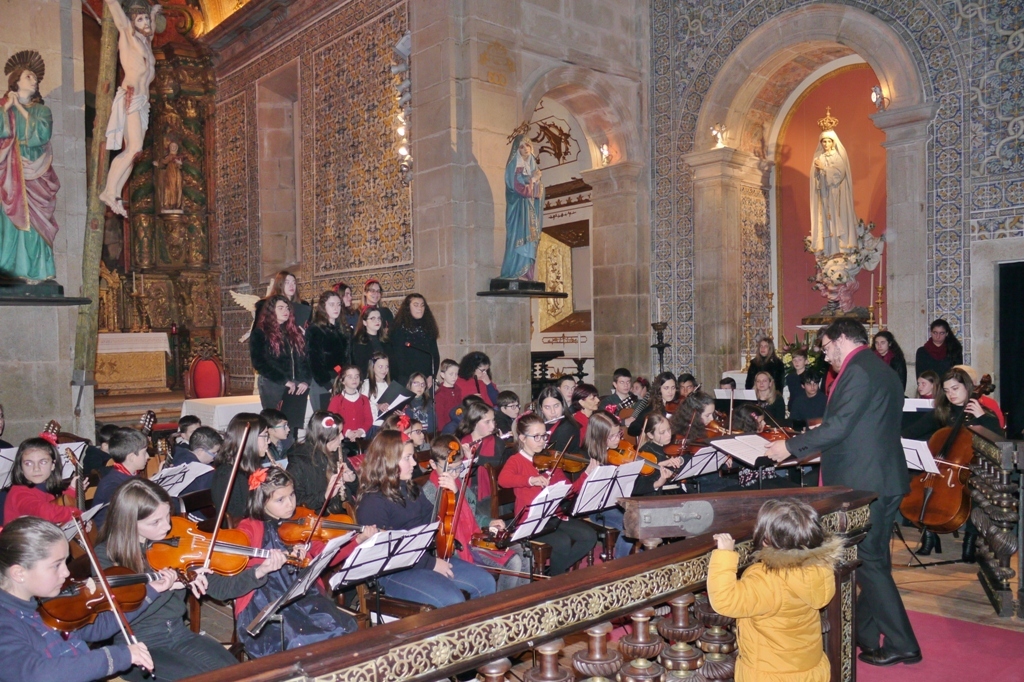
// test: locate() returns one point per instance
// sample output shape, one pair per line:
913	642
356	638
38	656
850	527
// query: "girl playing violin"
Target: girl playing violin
477	429
604	434
33	565
316	462
389	498
689	423
139	515
663	392
351	405
36	485
563	433
255	454
659	434
446	473
570	539
314	617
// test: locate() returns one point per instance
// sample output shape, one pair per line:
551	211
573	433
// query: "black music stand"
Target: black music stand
605	485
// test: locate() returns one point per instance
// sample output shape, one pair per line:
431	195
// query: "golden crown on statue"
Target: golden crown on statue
828	123
523	128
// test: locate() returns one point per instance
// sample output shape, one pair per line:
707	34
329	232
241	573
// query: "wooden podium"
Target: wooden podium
132	363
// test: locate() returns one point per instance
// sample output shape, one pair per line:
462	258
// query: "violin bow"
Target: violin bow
732	394
327	500
554	465
227	496
101	579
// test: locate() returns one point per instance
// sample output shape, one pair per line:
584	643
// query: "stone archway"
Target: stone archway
620	227
729	183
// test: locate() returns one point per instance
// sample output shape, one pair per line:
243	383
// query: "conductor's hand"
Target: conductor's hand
272	563
444	568
140	656
725	541
777	451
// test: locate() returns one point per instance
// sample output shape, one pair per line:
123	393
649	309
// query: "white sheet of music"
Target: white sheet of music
705	461
918	404
175	479
746	448
919	457
735	394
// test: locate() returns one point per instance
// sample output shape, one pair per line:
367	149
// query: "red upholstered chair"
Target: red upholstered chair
206	376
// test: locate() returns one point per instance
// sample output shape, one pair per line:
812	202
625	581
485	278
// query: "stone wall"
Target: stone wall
955	155
37	343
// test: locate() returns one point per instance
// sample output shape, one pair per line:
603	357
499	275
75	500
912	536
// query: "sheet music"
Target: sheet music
918	404
705	461
393	406
383	552
541	509
67	468
746	448
605	485
735	394
176	479
918	456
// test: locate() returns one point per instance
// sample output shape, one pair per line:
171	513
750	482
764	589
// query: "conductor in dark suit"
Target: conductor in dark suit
859	442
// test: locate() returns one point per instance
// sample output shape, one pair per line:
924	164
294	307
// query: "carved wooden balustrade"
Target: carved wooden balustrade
689	641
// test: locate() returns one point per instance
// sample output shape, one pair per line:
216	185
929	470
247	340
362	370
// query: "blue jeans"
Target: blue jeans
426	586
612	517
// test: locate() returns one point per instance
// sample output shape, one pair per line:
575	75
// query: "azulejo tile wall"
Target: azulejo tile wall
356	214
971	58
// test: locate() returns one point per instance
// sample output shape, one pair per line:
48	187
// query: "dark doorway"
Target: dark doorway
1011	345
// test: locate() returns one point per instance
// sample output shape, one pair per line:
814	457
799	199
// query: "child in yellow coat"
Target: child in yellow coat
777	601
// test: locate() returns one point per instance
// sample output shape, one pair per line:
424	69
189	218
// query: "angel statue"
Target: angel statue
28	183
833	219
247	301
524	209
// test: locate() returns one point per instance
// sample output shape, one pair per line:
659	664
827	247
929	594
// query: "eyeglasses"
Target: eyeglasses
513	406
824	346
415	431
535	436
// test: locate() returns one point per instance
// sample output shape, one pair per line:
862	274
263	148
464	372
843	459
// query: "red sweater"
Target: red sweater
445	400
473	385
582	420
355	413
253	529
25	501
516	475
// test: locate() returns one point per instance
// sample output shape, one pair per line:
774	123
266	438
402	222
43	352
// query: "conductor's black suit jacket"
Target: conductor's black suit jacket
859	438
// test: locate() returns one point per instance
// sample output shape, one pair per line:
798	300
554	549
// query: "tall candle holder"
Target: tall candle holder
579	373
769	327
878	302
746	335
141	321
659	332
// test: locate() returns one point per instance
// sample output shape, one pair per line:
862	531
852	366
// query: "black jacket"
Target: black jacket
412	350
361	352
289	365
859	438
773	366
309	469
327	347
925	362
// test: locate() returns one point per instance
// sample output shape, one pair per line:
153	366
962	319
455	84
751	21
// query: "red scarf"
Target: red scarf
887	358
832	387
936	352
120	467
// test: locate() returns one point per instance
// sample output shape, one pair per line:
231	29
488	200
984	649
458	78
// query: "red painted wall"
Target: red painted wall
848	92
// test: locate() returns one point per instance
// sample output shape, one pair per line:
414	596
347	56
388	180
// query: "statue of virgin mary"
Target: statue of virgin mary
833	220
524	210
28	183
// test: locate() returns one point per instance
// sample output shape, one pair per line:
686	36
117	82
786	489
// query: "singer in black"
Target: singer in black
414	341
859	442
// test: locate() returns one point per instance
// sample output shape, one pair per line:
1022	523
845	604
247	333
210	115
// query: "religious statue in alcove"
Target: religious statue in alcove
842	245
129	113
168	178
524	208
28	183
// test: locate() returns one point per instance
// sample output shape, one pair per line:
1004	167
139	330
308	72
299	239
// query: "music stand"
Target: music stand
307	576
705	461
605	485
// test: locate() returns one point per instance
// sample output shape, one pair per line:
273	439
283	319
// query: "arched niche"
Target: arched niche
727	179
620	223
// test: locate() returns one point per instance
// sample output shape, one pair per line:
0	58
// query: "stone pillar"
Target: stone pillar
464	107
38	342
719	176
620	245
906	264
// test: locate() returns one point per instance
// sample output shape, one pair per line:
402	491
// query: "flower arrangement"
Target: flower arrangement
835	274
811	344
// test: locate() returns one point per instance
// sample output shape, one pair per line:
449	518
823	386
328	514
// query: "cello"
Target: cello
941	502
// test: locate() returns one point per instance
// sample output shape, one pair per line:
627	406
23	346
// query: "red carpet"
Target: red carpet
956	651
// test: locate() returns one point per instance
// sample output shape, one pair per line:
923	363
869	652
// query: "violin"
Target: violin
626	453
493	540
81	601
299	529
186	548
547	460
447	508
941	502
774	433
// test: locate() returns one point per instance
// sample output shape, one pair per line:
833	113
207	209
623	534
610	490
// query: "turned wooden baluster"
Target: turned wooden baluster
641	670
691	675
641	643
597	660
547	668
681	631
717	642
495	670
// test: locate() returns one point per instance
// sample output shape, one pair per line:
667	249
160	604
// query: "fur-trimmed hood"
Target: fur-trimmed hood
828	555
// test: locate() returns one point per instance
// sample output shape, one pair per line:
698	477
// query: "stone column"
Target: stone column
620	245
719	176
463	109
906	265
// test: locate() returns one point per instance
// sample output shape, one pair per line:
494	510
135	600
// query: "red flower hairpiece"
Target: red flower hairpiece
328	423
404	422
337	369
257	478
50	438
611	409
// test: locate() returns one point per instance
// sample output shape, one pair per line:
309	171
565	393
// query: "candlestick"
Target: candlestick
871	304
660	345
579	353
657	302
133	281
770	326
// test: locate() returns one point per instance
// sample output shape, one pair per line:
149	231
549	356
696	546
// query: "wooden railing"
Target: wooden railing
477	635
